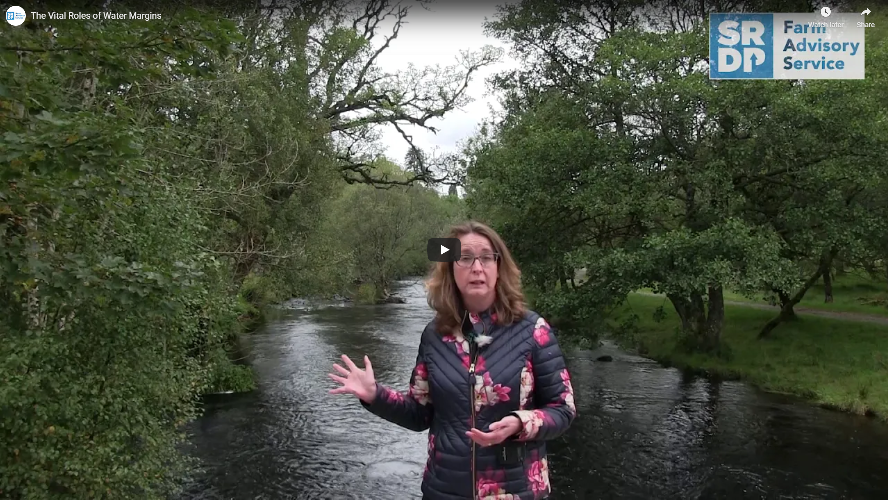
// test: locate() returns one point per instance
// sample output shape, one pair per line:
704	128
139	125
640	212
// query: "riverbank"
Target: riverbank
840	364
853	292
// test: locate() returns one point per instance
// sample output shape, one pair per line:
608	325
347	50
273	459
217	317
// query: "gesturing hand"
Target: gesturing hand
356	381
499	431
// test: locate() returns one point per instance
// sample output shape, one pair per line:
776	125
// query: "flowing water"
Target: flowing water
643	432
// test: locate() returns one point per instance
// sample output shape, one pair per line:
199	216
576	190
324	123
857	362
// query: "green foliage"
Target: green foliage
366	294
228	376
163	182
259	291
107	310
618	156
380	234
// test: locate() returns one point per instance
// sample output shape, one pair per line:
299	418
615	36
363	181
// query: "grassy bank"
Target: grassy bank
853	292
836	363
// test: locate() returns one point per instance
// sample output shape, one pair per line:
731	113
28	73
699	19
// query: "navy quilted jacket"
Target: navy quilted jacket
518	369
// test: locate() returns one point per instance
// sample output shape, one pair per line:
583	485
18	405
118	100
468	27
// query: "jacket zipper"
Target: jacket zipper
472	403
473	349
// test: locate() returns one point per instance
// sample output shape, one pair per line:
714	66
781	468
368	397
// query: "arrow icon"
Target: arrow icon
444	249
865	13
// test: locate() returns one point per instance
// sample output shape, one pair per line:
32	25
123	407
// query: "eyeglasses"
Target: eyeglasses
487	260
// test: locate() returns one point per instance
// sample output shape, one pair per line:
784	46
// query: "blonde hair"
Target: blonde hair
444	296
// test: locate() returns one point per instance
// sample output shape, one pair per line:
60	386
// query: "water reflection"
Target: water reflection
649	432
643	432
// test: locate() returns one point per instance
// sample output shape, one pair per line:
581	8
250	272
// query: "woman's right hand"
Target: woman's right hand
355	381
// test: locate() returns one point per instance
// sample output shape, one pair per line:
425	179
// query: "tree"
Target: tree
108	313
155	176
415	160
386	229
356	96
618	155
303	92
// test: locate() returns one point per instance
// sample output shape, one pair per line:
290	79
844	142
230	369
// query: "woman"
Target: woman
490	381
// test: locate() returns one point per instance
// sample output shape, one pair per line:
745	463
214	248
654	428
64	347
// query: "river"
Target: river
643	431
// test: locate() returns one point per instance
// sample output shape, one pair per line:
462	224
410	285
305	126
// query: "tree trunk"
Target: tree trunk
682	308
827	286
715	323
562	277
787	303
704	327
784	315
382	292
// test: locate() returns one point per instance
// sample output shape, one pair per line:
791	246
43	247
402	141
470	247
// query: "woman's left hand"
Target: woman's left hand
499	431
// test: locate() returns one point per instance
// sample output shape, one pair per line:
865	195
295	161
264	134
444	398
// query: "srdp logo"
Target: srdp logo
15	15
741	46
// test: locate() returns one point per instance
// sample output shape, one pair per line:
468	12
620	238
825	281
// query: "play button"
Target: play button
443	249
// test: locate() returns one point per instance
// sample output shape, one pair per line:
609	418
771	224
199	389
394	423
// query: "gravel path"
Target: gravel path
805	311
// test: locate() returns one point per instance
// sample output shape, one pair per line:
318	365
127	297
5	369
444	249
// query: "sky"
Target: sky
435	37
